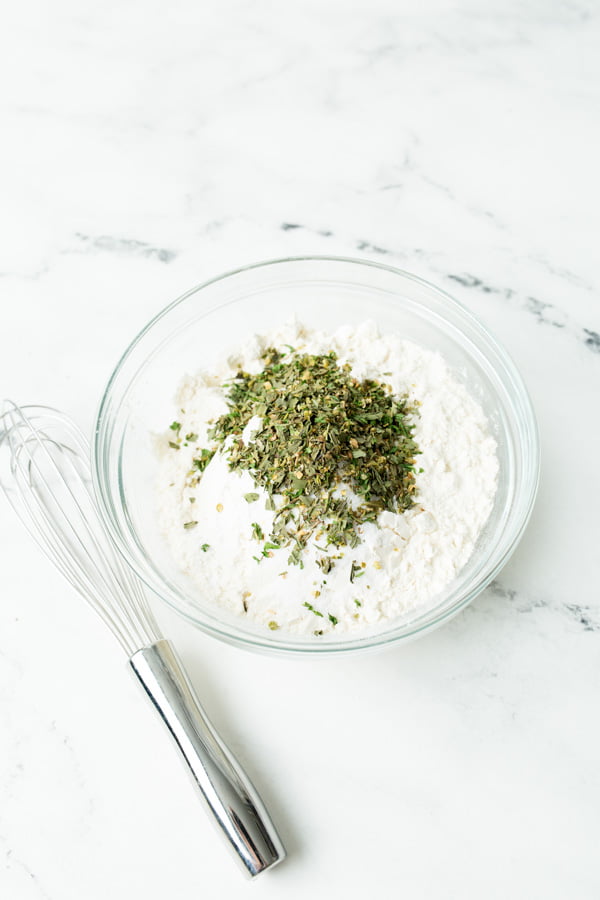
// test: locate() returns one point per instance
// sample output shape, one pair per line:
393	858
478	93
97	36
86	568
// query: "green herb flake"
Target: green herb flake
257	532
321	428
205	547
273	626
312	609
192	436
356	570
332	619
173	445
191	524
326	564
175	426
201	462
358	603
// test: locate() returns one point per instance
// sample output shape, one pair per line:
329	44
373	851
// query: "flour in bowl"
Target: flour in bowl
417	474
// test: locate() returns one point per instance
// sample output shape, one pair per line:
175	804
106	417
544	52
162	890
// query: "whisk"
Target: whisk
44	472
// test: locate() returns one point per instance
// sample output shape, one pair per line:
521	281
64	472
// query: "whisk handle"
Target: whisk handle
237	809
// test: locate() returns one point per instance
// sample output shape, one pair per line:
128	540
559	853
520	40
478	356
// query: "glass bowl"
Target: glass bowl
324	293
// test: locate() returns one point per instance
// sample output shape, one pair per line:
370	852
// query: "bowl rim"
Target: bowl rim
353	644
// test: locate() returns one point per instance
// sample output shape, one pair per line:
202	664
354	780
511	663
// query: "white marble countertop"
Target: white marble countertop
146	147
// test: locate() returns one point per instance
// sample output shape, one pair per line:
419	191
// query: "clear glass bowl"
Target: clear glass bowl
325	293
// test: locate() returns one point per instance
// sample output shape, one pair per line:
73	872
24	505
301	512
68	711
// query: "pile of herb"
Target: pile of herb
323	431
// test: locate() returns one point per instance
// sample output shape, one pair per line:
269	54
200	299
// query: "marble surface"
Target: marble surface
146	147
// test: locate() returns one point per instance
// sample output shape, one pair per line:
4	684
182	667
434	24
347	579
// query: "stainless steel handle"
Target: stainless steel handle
237	808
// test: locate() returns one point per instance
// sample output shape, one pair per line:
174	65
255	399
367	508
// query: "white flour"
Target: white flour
407	559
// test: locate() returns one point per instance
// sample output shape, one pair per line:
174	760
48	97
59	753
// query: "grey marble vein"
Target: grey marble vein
128	246
584	615
13	860
544	313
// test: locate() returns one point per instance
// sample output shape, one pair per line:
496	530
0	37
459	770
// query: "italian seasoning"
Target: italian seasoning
321	434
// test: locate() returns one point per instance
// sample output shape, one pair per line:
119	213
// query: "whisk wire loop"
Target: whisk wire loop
45	474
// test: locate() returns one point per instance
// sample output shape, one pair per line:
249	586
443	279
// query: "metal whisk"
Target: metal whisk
45	474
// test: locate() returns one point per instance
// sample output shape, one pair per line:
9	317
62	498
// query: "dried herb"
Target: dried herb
326	564
205	547
190	524
201	462
355	571
312	609
322	432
